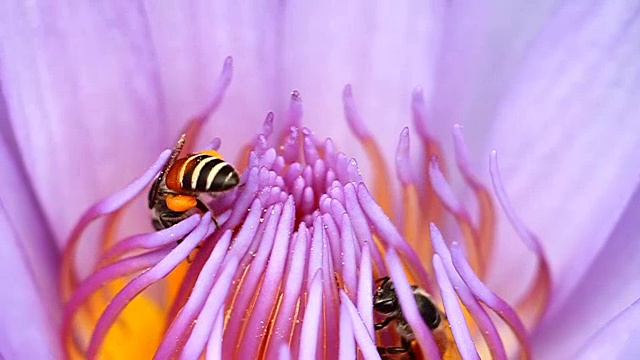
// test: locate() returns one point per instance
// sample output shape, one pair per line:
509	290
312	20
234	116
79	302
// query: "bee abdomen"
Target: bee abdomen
204	173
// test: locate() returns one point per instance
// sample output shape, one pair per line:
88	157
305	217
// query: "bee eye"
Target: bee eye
386	307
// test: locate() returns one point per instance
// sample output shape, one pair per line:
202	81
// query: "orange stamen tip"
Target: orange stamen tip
180	203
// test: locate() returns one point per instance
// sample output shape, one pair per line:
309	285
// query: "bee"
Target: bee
174	195
385	302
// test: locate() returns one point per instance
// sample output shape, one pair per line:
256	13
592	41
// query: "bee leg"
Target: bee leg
204	208
384	323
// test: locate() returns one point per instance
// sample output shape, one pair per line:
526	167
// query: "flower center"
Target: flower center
305	262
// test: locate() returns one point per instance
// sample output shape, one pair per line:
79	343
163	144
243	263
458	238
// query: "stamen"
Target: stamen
409	306
256	324
486	222
311	320
152	240
480	316
214	345
194	126
349	261
347	349
203	326
241	162
281	330
414	221
243	304
202	287
329	341
381	184
365	342
455	207
536	299
285	353
484	294
434	210
454	312
101	208
362	228
365	284
98	280
390	235
137	285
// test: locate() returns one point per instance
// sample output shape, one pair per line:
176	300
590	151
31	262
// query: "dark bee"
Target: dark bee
385	302
173	196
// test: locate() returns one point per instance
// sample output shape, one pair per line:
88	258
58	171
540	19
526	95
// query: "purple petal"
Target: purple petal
472	76
192	41
611	284
398	40
34	240
567	132
618	339
83	130
29	330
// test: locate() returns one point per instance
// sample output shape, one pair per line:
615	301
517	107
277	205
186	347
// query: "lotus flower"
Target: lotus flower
92	94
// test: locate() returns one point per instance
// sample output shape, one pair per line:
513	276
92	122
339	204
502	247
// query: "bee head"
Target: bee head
385	300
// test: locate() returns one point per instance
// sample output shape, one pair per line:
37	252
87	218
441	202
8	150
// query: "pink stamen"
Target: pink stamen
281	331
480	316
365	294
202	287
256	324
309	333
152	240
364	340
409	306
456	318
143	281
390	235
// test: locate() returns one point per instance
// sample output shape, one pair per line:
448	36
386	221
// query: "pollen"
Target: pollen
181	203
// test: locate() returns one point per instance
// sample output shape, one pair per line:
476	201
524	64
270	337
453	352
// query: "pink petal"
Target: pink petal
29	330
83	98
568	137
610	285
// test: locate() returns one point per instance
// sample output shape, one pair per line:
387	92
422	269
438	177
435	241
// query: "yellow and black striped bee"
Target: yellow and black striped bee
385	302
173	196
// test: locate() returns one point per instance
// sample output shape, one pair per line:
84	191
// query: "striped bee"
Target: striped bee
173	196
